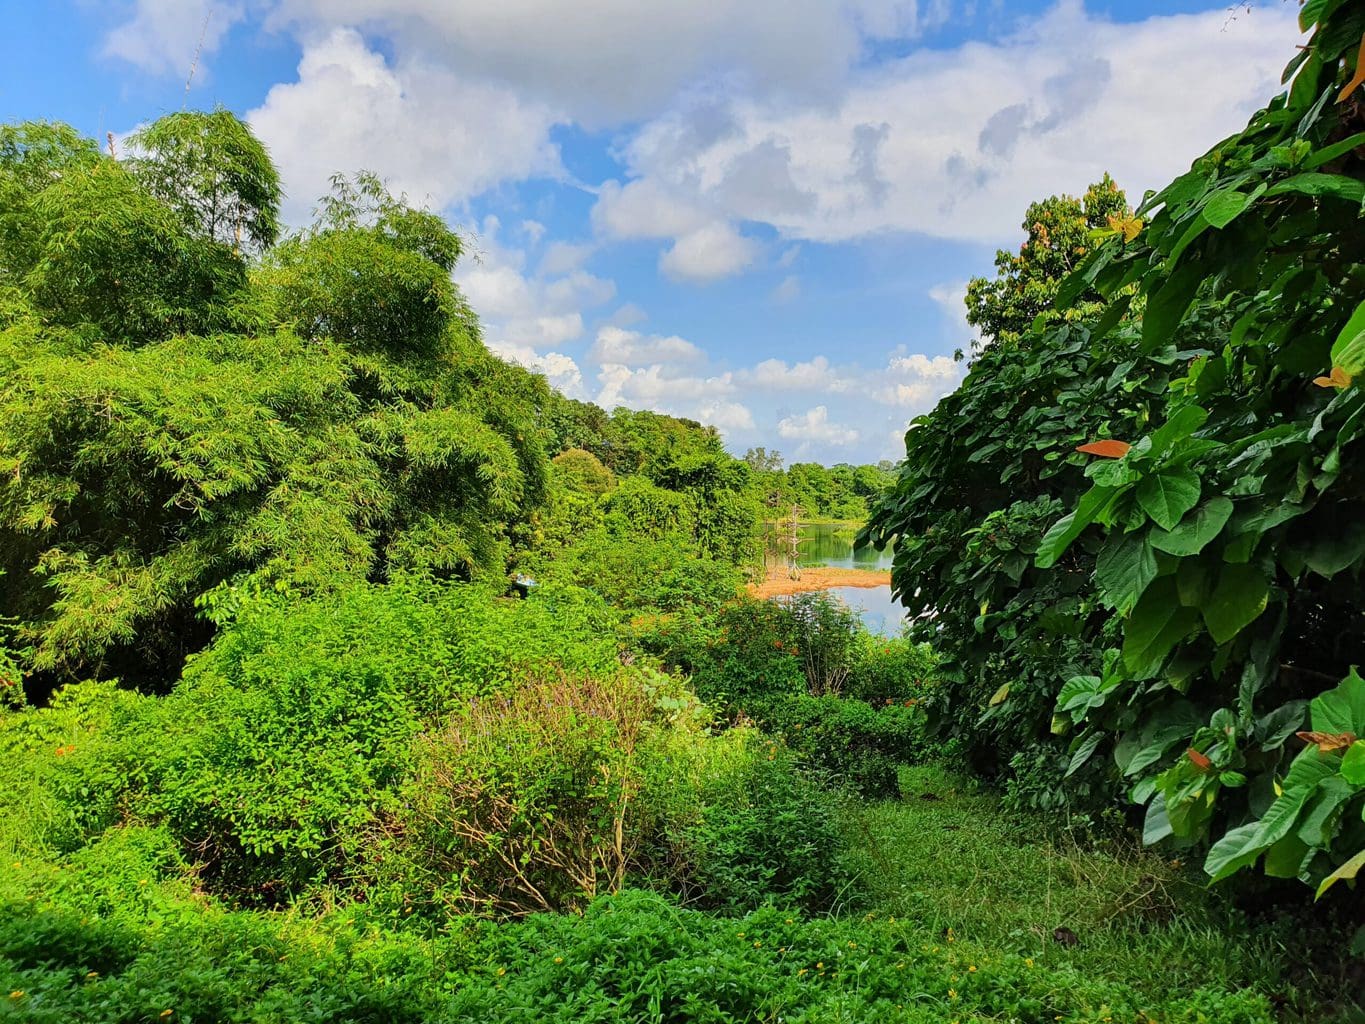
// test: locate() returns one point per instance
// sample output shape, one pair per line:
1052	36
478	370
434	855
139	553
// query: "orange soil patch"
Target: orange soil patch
820	577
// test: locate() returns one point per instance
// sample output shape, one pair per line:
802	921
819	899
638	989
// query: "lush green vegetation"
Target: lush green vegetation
823	493
1132	525
281	744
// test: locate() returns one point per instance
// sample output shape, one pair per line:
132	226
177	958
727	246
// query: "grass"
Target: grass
947	858
959	921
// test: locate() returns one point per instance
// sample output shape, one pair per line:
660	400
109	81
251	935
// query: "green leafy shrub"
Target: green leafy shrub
73	769
850	741
583	473
745	651
636	956
290	734
1204	581
528	801
823	632
752	826
637	573
895	668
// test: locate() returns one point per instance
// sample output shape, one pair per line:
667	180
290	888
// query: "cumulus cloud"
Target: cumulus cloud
814	425
955	143
163	36
662	389
814	375
708	254
915	380
631	348
436	134
609	62
559	369
524	311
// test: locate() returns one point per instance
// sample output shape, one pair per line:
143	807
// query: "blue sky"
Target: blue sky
758	213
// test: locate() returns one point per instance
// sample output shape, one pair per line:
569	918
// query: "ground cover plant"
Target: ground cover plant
118	933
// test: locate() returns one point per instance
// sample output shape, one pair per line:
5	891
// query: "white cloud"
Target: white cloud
560	370
956	143
608	62
437	135
708	254
563	257
163	36
521	310
814	426
659	388
914	380
644	209
631	348
813	375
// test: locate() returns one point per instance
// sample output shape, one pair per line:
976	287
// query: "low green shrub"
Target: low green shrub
526	801
754	827
744	651
823	632
641	573
890	667
852	742
71	770
637	957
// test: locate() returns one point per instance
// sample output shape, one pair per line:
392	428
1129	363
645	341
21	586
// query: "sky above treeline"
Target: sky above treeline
757	213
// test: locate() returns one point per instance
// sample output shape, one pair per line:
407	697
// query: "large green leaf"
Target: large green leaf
1319	824
1157	623
1336	186
1167	307
1341	709
1301	783
1183	422
1224	206
1236	850
1195	530
1168	495
1353	764
1126	565
1069	527
1157	824
1348	351
1239	597
1336	549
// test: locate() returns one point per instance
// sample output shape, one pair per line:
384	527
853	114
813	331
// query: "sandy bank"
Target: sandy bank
818	578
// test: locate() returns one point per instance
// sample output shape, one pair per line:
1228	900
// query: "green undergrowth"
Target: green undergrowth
960	923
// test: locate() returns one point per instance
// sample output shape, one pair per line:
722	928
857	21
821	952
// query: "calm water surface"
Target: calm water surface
831	544
828	544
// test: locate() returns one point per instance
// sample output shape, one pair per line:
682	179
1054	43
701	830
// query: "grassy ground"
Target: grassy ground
948	859
967	915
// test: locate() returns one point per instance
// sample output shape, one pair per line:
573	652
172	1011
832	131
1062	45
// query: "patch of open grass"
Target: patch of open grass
948	858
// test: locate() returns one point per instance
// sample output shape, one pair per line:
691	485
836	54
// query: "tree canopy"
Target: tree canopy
1134	523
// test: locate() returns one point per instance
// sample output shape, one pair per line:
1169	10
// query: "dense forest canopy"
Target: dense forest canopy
191	401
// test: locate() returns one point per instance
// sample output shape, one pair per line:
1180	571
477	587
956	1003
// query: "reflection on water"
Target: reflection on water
879	613
832	544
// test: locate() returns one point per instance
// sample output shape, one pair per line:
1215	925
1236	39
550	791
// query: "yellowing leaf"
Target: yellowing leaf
1348	870
1338	378
1358	79
1000	695
1328	741
1128	227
